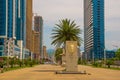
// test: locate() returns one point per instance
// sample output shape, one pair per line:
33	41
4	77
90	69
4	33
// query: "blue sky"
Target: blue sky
54	10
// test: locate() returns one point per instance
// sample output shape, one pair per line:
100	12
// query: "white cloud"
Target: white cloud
112	44
112	15
112	8
112	23
53	10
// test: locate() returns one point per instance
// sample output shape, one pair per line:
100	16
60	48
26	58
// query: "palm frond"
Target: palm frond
66	30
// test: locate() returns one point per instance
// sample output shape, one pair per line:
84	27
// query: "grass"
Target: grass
15	68
112	68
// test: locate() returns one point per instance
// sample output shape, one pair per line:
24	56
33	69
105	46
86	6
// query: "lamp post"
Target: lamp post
93	56
8	54
104	56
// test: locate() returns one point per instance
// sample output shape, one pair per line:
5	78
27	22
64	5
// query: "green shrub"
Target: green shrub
97	64
1	64
11	62
26	62
109	63
20	63
31	63
79	61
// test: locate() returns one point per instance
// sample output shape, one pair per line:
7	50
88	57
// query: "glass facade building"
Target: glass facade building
12	24
94	29
3	18
21	21
7	18
7	22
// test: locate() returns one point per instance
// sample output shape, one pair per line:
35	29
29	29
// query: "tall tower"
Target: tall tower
45	54
7	18
29	24
94	29
3	19
21	21
36	44
38	27
7	26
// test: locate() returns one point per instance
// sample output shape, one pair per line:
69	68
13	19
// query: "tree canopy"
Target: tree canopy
58	54
66	30
117	54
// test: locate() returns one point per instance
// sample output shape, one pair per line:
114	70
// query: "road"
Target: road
47	72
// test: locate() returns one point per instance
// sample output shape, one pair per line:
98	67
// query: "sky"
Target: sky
54	10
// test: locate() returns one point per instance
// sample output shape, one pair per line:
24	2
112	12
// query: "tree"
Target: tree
1	66
20	63
66	30
12	62
117	54
58	55
109	63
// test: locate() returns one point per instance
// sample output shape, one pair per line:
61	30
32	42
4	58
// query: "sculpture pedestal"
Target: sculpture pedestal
71	72
71	59
71	56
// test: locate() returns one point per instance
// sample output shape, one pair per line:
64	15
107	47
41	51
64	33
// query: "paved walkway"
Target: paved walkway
47	72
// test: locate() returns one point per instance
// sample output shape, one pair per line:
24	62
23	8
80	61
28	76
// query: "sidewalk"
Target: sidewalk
47	72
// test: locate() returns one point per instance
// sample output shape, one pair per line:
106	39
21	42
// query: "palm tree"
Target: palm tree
66	30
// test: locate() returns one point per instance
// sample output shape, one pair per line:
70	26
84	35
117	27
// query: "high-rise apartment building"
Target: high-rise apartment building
21	21
38	27
7	26
29	14
36	44
94	29
45	54
13	25
7	18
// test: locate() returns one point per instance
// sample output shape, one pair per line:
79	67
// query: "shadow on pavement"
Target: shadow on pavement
46	70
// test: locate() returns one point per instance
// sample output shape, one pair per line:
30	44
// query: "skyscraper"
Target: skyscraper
13	25
7	25
36	44
38	27
7	18
29	24
94	29
21	21
45	54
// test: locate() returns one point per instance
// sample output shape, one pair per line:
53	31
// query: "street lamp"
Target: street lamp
93	56
104	56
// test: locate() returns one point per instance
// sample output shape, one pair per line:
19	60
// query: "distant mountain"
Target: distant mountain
50	52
